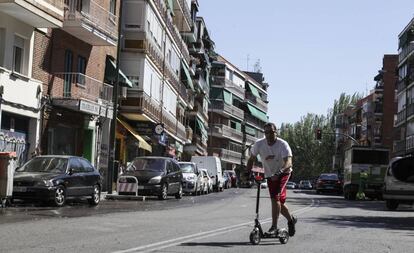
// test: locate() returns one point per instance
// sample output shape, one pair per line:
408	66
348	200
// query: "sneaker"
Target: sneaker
291	226
272	231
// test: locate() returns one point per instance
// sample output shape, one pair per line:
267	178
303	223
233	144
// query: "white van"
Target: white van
213	165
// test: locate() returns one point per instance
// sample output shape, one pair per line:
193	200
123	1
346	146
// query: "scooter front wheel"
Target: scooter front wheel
283	236
255	236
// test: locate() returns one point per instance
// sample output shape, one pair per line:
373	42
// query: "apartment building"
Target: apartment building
237	112
404	121
370	121
202	54
156	59
20	90
75	64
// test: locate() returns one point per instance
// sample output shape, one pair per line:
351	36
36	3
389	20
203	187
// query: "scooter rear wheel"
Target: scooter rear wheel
255	236
283	236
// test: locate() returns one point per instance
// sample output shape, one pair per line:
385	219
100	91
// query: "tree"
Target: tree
312	157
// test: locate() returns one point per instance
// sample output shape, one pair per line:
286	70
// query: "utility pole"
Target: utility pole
112	132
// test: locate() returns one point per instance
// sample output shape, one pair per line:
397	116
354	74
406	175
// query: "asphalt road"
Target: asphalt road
218	222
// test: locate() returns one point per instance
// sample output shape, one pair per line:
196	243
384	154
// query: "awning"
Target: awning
188	76
254	90
227	97
202	128
141	142
257	113
110	74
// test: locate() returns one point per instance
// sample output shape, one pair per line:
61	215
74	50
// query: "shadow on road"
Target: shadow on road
379	222
226	244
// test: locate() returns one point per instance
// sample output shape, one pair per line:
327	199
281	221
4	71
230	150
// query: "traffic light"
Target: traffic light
319	134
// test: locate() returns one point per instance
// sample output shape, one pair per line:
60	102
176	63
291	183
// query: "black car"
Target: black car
159	176
329	182
57	178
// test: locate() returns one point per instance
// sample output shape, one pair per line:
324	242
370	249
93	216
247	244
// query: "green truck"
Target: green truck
364	171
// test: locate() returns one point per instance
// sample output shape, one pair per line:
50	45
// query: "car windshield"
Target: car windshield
328	177
187	168
147	164
45	164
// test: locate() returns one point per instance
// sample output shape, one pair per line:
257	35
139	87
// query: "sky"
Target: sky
310	51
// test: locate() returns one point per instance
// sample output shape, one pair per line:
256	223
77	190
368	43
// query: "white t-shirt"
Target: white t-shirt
271	156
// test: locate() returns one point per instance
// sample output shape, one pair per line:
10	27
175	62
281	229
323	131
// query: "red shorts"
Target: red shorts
277	188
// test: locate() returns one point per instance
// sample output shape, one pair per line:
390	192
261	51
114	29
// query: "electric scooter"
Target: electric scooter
257	233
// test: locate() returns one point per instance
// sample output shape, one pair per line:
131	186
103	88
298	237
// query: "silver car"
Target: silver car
192	178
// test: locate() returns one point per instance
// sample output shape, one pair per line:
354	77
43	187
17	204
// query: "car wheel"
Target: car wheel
60	196
96	196
179	194
164	192
391	204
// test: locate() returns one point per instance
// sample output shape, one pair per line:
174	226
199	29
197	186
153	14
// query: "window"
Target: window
112	6
75	165
86	165
81	70
18	54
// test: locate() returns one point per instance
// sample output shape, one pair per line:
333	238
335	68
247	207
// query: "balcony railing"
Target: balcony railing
239	91
198	108
189	133
140	102
181	131
399	146
80	86
410	110
409	142
79	13
400	117
227	132
183	13
256	101
226	155
250	139
405	52
220	106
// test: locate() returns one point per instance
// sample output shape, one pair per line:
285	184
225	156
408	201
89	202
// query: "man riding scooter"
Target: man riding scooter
276	157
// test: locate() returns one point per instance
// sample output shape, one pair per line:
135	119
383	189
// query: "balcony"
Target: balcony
226	155
405	52
410	111
138	102
162	9
409	143
182	16
189	134
250	139
37	13
223	131
198	110
253	120
219	106
256	101
80	92
91	22
399	147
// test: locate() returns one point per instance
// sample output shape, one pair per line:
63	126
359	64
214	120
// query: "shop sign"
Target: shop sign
88	107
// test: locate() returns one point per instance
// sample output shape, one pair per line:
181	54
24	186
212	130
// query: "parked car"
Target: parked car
399	182
213	166
159	176
233	178
57	178
329	182
291	185
209	181
192	178
305	184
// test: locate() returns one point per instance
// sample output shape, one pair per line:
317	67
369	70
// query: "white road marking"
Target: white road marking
192	237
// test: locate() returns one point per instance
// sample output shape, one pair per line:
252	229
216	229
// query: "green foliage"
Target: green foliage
312	157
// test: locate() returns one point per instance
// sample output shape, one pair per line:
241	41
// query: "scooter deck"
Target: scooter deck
273	235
